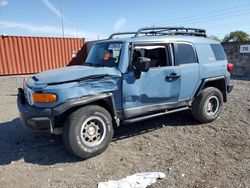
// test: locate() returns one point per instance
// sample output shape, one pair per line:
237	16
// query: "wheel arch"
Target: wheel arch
105	100
217	82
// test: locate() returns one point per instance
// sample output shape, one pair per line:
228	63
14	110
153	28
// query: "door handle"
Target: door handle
172	76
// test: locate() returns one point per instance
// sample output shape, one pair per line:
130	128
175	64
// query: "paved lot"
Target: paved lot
191	155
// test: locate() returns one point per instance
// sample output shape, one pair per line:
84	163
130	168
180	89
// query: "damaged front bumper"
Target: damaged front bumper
35	119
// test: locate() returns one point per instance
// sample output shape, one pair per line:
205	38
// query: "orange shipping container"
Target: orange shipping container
26	55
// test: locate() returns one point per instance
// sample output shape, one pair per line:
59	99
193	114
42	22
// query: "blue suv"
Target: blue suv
154	72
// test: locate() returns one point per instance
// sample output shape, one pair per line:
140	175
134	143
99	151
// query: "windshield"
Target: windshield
104	54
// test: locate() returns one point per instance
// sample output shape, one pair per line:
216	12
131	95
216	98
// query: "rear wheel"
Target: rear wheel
207	106
88	131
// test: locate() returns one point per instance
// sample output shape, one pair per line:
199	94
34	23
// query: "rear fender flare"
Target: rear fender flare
206	81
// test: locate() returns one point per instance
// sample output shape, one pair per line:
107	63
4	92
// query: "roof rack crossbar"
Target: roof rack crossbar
122	33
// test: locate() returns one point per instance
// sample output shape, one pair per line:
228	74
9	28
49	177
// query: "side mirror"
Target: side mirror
142	64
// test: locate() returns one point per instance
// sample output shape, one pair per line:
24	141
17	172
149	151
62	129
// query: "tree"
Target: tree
236	36
214	38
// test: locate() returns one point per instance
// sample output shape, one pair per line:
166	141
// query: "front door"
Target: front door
155	89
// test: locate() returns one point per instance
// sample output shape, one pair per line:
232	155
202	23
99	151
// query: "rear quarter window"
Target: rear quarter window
218	52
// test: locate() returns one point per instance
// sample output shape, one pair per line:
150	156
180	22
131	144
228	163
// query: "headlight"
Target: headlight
44	97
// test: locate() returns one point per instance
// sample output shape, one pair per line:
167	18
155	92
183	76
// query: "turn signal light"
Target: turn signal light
44	97
230	67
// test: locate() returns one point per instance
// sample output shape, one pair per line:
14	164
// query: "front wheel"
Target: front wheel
207	106
88	131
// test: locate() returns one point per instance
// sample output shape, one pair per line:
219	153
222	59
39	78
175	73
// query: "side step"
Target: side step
153	115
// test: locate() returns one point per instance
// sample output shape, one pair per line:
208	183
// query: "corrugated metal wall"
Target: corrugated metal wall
24	55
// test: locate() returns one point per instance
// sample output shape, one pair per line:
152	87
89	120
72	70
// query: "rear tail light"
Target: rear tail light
230	67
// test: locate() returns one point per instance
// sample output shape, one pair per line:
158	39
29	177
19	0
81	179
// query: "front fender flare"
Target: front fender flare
72	103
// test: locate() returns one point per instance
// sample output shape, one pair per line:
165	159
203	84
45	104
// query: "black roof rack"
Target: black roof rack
123	33
159	31
171	31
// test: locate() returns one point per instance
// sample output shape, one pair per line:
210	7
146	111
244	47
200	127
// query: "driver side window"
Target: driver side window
157	53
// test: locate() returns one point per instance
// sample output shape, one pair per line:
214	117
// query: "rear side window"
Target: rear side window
218	52
185	54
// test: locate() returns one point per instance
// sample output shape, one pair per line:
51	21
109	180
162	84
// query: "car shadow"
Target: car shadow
43	149
183	118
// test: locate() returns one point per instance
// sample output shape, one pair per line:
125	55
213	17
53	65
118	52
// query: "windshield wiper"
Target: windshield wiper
87	64
93	64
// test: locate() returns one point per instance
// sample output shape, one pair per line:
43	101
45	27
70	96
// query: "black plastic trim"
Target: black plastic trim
171	31
83	101
145	110
122	33
36	119
230	88
21	96
154	115
204	81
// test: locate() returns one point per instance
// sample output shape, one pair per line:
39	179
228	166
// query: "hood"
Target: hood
73	73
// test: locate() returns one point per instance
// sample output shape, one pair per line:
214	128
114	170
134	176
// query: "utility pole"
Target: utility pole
62	18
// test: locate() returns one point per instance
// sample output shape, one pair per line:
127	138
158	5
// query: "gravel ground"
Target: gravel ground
190	154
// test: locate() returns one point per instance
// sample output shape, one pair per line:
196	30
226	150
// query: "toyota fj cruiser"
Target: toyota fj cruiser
157	71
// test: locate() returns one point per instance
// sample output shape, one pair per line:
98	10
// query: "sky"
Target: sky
93	19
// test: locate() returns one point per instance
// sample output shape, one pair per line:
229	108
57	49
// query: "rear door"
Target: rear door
186	59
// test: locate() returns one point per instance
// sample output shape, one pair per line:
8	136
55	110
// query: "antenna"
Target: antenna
62	18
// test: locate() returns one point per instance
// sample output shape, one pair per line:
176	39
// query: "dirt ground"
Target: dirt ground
190	154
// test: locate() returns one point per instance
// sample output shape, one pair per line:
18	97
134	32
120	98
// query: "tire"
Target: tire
207	106
88	131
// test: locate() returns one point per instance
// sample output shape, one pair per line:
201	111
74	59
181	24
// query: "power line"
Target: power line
225	33
218	18
203	14
228	24
212	18
218	15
